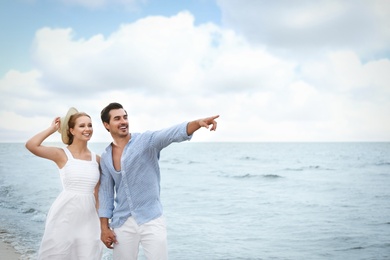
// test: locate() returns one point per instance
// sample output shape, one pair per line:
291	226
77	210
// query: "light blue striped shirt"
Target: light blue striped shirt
137	184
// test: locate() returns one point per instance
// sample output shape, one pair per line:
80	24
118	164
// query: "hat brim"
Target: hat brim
63	130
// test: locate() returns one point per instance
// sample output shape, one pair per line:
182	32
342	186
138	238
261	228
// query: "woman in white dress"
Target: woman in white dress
72	230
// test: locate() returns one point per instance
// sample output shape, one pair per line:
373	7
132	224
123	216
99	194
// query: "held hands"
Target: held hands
108	238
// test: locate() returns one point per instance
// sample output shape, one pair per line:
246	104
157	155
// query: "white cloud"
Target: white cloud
350	73
306	28
165	70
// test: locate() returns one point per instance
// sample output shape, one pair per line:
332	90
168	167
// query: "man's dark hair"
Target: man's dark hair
105	114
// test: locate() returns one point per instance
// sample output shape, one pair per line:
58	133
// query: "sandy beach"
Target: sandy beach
8	252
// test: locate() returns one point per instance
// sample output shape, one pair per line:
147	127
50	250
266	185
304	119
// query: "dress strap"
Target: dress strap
68	153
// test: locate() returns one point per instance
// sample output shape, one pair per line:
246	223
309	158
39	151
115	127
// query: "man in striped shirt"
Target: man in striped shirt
130	209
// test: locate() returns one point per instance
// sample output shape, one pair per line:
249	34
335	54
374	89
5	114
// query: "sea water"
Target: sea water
235	200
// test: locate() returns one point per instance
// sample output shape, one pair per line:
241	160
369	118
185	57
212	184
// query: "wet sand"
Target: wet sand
8	252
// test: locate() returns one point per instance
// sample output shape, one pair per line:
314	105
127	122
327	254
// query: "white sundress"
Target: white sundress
72	230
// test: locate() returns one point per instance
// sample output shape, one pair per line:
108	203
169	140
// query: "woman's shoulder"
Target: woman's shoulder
97	158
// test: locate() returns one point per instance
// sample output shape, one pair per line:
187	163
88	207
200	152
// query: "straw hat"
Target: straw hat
63	130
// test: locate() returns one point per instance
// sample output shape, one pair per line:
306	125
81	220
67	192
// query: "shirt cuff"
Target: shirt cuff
105	213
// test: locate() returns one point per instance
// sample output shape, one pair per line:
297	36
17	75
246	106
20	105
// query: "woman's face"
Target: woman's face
83	128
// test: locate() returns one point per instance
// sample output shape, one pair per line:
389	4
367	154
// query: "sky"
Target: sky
275	71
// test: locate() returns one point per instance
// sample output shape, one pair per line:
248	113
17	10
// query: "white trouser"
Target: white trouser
152	236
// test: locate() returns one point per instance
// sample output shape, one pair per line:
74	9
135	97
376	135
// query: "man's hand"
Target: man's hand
205	122
108	238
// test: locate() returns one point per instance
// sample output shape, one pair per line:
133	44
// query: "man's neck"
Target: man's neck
121	142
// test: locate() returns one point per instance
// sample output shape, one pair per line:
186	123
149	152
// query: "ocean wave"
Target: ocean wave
6	205
40	217
171	161
376	245
19	244
356	248
248	158
383	164
29	211
177	161
5	191
272	176
310	167
248	176
36	215
193	162
294	169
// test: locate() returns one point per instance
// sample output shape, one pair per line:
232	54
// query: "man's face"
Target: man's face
118	125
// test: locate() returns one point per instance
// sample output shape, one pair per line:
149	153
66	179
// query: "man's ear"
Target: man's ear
106	126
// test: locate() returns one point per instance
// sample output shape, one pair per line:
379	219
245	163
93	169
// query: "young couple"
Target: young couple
122	187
